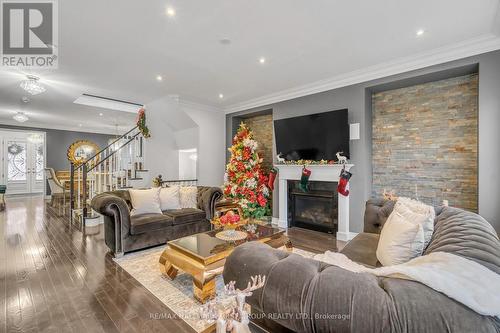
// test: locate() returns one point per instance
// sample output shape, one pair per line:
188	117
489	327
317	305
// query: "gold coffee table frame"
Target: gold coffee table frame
205	269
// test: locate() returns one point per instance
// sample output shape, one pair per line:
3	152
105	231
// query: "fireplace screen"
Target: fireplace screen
314	211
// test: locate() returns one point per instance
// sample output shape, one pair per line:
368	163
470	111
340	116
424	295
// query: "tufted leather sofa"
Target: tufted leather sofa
305	295
125	233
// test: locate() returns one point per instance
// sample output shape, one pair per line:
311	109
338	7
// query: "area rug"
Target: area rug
177	295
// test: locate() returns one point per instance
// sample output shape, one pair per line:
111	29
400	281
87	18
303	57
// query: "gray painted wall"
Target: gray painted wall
58	142
357	98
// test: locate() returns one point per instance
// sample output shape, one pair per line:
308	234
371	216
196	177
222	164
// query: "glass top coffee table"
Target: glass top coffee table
203	255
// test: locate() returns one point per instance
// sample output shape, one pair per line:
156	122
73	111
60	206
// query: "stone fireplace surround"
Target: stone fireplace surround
327	173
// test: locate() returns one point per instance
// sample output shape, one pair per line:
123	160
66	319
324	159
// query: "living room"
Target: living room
250	167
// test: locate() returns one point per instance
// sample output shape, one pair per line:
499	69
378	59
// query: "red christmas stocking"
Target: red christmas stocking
272	178
304	180
343	181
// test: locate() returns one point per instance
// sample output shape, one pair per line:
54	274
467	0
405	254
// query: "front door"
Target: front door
23	155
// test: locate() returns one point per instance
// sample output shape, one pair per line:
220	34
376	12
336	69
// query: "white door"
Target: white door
23	161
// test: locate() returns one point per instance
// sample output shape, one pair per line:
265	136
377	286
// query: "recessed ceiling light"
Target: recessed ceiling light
262	60
101	114
420	32
20	117
159	78
170	12
221	96
80	125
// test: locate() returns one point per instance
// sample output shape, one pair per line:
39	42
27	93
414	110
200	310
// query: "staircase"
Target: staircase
118	166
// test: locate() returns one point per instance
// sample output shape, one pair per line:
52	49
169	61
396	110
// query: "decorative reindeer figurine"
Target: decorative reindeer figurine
341	159
280	159
234	319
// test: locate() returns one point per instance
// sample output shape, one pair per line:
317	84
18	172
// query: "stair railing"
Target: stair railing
109	169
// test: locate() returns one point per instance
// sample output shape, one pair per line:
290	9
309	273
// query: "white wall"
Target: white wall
187	138
211	142
161	152
204	131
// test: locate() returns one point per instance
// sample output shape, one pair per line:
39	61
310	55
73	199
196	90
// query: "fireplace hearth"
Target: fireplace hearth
316	209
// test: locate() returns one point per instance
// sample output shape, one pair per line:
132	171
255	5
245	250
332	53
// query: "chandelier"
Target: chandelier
32	85
20	117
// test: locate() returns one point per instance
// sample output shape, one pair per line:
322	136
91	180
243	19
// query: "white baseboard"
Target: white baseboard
275	221
346	236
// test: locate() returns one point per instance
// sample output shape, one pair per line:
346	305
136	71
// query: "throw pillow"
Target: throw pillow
145	201
188	196
400	240
169	198
418	213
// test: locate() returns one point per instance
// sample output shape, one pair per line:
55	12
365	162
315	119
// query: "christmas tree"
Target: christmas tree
245	180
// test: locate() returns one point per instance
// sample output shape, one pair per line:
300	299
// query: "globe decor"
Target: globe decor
245	181
141	123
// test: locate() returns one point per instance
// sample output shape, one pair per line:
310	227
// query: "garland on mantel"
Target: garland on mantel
308	162
141	123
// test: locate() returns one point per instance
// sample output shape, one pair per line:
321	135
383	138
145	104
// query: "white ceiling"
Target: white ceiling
117	48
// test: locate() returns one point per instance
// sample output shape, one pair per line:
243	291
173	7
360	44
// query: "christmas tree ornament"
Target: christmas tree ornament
272	178
304	179
246	183
343	182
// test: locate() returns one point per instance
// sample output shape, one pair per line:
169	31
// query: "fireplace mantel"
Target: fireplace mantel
326	173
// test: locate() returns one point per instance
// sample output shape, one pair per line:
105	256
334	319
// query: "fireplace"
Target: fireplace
328	173
316	209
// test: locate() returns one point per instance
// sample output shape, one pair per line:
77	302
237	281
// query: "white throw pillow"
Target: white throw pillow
400	240
188	196
145	201
169	198
418	213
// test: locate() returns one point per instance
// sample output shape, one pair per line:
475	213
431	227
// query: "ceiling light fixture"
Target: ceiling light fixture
262	60
20	117
221	96
32	85
170	12
101	114
80	125
159	78
420	32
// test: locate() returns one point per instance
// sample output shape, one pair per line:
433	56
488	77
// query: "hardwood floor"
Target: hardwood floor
54	278
314	241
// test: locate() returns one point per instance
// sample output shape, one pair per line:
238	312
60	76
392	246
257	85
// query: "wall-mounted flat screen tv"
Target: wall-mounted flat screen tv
315	137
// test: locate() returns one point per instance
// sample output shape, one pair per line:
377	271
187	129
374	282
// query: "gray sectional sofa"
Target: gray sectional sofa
305	295
125	233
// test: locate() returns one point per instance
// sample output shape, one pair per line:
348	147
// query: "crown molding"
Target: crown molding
468	48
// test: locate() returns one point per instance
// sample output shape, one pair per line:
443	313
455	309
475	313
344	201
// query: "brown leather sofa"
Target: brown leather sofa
124	233
305	295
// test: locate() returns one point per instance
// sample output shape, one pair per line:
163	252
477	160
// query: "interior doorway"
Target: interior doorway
22	156
187	163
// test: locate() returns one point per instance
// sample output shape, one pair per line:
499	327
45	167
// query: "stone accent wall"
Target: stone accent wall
425	139
262	128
